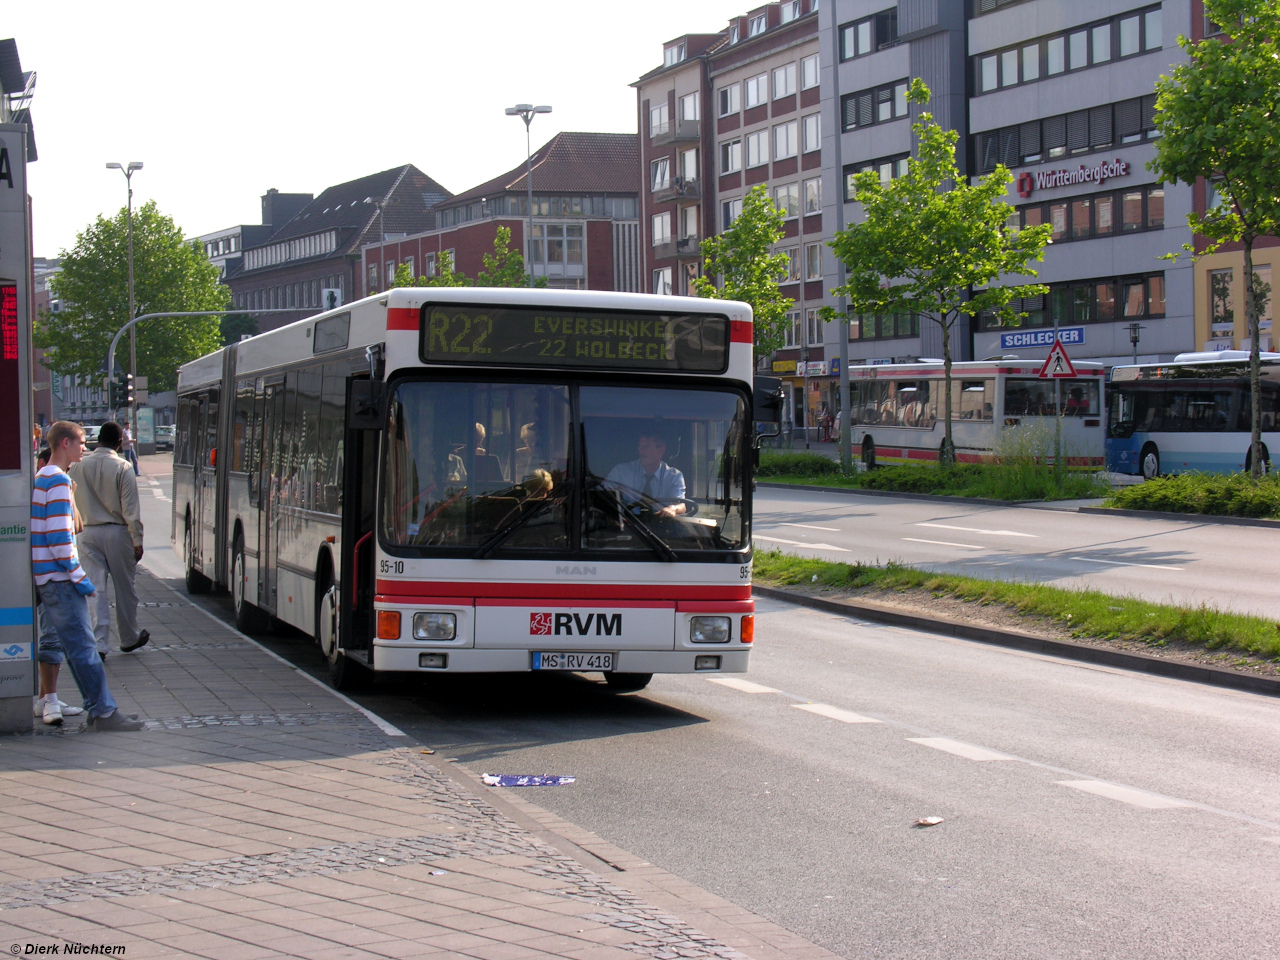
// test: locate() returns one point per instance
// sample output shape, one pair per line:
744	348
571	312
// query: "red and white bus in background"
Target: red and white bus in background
470	480
898	409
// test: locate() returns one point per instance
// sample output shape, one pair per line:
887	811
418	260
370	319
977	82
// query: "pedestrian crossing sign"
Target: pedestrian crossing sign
1057	365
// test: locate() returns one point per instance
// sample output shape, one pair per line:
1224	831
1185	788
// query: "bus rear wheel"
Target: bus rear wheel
197	582
627	682
869	453
1149	461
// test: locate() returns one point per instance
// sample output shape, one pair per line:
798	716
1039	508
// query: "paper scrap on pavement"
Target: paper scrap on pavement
928	822
507	780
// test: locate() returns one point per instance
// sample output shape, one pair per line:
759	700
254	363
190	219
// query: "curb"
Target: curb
1033	643
858	491
1184	517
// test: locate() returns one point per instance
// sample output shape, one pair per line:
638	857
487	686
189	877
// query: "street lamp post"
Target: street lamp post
526	111
1135	334
128	171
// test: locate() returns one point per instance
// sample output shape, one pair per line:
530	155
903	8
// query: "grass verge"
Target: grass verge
1017	480
1215	494
1085	613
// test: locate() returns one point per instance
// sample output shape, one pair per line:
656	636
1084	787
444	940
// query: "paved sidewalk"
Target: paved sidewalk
262	815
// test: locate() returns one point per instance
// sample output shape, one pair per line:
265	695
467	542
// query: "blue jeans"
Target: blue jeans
50	650
132	457
68	614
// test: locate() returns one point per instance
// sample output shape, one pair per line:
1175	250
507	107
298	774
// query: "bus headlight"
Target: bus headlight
709	629
435	626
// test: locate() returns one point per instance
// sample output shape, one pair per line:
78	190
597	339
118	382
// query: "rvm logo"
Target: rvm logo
574	624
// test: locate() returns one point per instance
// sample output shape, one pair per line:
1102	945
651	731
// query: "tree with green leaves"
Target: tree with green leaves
502	268
1219	119
741	260
93	285
235	326
933	245
445	275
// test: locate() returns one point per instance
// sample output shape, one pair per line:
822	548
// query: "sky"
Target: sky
222	101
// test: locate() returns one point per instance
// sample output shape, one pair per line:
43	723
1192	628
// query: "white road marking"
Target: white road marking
834	713
945	543
808	526
1125	563
992	533
801	543
966	750
743	686
1129	795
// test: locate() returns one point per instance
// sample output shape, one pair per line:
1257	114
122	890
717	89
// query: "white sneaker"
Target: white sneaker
52	713
66	708
38	710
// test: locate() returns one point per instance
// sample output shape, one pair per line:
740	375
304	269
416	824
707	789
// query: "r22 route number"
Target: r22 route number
391	566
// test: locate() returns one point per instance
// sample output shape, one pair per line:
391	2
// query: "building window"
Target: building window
659	122
757	90
661	228
1084	131
556	244
660	173
888	168
811	127
1096	215
757	148
662	281
729	99
730	156
1124	35
373	278
689	222
790	10
429	265
787	199
689	165
673	55
730	211
1222	314
877	105
784	81
886	326
733	33
868	35
1212	29
814	323
813	261
757	25
785	141
792	274
813	196
792	330
1091	301
809	72
689	107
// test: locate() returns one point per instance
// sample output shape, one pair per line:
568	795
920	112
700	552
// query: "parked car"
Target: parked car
164	436
91	436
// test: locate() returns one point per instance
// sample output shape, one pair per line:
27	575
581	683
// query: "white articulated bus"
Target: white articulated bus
898	409
470	480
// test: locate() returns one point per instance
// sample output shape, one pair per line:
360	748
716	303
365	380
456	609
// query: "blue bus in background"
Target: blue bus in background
1191	415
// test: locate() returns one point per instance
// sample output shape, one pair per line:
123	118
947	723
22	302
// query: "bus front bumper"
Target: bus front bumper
420	658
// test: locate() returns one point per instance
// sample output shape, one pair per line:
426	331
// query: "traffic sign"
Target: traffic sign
1057	366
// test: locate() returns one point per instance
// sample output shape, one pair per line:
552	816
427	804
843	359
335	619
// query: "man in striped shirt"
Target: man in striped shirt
63	586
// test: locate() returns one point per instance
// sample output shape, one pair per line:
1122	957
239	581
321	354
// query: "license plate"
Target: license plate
573	661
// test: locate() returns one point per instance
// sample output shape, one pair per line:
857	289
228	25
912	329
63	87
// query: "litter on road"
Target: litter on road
506	780
928	822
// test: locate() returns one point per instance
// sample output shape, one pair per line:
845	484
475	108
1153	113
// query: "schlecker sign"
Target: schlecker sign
17	629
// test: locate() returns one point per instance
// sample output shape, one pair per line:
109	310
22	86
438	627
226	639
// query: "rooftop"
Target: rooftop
571	163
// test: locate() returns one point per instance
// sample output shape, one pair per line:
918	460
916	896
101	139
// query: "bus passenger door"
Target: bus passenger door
269	493
357	576
207	497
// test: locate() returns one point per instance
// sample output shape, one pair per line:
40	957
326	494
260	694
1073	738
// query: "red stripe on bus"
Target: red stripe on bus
569	591
402	318
424	601
709	606
740	331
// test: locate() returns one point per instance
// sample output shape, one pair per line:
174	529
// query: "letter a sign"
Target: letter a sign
1057	365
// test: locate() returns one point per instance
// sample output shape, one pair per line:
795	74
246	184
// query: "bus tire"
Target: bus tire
869	453
197	582
1266	460
249	618
627	682
1149	462
344	673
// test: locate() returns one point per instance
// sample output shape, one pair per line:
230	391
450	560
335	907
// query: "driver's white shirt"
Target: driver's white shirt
667	485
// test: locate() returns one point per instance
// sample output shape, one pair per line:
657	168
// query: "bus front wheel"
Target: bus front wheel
1150	462
343	673
627	682
869	453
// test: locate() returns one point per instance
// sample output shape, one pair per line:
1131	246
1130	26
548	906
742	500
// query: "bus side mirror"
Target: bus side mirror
364	405
766	403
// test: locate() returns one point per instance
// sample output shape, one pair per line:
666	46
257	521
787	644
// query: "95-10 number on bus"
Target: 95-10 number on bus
391	566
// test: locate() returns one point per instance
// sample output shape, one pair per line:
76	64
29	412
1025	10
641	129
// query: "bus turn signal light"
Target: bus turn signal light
388	624
748	631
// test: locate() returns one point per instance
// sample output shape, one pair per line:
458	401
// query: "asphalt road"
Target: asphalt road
1167	561
1086	811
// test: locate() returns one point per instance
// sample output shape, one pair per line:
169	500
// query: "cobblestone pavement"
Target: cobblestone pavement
261	815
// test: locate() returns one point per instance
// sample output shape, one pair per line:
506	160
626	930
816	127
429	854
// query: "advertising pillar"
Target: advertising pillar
17	612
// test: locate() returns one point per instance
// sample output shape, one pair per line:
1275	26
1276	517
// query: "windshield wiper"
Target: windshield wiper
500	537
658	545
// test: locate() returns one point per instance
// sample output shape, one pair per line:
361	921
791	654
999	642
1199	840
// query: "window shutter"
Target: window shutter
1009	153
850	112
866	113
1149	112
1129	118
988	150
1055	132
1100	126
1078	131
1029	134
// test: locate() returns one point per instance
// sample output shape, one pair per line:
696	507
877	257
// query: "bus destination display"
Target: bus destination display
601	339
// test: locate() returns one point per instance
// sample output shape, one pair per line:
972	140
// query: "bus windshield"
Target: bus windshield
484	469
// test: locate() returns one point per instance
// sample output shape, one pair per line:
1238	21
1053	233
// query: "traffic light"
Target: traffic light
129	393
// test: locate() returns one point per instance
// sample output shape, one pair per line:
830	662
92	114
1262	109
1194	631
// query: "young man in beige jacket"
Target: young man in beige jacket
111	544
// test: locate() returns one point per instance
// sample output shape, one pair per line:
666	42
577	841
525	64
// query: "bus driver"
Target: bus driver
649	479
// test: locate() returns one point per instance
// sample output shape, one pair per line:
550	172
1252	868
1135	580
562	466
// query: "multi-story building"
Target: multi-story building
225	248
318	248
47	387
724	114
585	234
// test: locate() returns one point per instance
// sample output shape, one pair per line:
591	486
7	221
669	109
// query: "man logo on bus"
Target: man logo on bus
575	624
